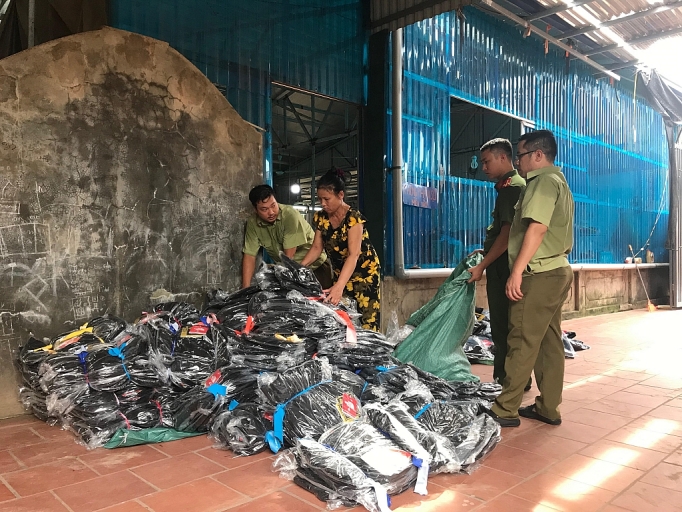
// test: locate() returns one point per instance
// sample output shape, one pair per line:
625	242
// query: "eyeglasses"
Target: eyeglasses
519	155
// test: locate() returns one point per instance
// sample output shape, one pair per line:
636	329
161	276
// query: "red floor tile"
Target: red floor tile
189	444
253	479
43	502
19	420
176	470
128	506
575	431
597	473
8	463
562	493
35	455
227	458
659	425
594	418
437	499
667	412
630	397
306	496
665	475
542	443
105	461
642	389
675	458
204	495
5	493
508	502
643	497
104	491
18	436
624	409
677	402
483	484
49	476
663	382
623	454
642	438
517	462
275	502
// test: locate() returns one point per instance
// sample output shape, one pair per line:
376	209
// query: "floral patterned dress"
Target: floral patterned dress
363	285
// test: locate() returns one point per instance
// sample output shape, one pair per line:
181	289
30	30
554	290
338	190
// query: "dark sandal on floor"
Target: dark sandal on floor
530	412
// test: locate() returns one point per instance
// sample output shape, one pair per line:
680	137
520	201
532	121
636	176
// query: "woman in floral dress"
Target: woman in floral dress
340	231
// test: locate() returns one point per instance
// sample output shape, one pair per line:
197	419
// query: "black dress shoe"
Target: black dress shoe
503	422
528	386
530	412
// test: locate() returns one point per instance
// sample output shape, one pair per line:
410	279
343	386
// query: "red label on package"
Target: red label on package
214	378
348	407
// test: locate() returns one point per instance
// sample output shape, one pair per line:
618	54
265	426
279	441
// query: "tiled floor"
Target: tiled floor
618	449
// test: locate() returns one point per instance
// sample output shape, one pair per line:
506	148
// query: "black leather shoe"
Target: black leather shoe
530	412
503	422
528	386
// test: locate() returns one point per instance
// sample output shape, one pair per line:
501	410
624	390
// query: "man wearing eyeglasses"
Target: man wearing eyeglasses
540	239
496	157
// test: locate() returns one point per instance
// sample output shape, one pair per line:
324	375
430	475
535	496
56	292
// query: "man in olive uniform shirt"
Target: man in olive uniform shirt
278	228
540	239
496	156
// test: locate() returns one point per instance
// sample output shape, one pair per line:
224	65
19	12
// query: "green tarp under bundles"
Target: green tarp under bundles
442	327
124	437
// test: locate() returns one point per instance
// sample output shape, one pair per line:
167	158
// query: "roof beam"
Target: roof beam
544	35
623	19
635	41
556	10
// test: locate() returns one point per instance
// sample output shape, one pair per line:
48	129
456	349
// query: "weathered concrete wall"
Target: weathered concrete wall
593	292
123	171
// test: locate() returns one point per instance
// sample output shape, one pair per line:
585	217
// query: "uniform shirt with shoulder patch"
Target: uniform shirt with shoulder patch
547	199
508	190
289	230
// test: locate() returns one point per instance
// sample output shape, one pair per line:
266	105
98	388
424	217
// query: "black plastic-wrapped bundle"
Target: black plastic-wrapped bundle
288	275
330	476
63	374
370	350
194	410
108	369
477	391
35	402
472	433
241	382
277	388
312	412
375	454
77	341
30	356
396	421
394	379
232	312
107	327
242	429
477	349
271	353
350	379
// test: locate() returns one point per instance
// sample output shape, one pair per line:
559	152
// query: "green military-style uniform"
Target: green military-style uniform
508	189
289	230
534	340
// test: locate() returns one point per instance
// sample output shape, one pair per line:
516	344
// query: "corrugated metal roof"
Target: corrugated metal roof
652	25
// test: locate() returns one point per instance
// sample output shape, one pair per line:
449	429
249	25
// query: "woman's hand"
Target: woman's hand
334	294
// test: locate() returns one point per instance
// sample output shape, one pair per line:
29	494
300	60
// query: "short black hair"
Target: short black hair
499	146
260	193
541	139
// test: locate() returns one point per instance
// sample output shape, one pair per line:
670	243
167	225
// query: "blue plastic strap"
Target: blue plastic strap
417	462
364	387
274	443
422	410
217	390
233	405
118	352
384	368
278	417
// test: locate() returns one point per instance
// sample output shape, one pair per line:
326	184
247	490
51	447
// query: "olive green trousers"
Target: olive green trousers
534	344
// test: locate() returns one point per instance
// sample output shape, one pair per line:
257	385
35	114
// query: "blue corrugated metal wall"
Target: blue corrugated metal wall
317	45
618	178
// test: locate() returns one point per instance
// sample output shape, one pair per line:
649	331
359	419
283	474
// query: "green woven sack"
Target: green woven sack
442	327
124	437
